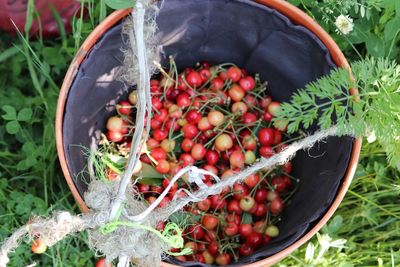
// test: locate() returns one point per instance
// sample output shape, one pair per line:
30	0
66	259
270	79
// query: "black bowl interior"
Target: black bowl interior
252	36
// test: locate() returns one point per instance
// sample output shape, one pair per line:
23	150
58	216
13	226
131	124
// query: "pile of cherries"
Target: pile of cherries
218	118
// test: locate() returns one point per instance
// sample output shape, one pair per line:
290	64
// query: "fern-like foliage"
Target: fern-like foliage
376	108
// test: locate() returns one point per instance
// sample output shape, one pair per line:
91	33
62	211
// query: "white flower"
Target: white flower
344	24
371	137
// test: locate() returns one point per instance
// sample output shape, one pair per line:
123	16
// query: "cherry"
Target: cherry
172	124
156	189
114	124
247	203
158	153
191	245
166	183
217	84
161	116
249	143
255	240
143	188
223	259
259	227
204	124
233	218
213	248
277	137
160	134
210	236
193	78
114	136
205	75
187	159
287	167
249	118
266	151
266	136
217	202
245	230
215	117
261	210
204	205
163	166
267	240
198	152
274	108
168	145
271	195
223	142
234	73
234	207
240	191
261	195
266	116
236	159
231	229
279	183
212	157
190	131
155	124
245	250
156	103
239	108
287	181
193	116
209	259
181	84
200	258
252	180
196	232
102	263
236	93
247	83
276	206
209	221
272	231
124	107
264	102
187	145
183	100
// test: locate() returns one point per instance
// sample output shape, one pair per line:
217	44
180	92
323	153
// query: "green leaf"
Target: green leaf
12	127
391	28
30	10
375	46
11	114
54	56
120	4
247	218
150	181
149	171
25	114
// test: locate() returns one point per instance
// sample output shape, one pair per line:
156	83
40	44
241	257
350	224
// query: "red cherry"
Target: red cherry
231	229
249	118
236	93
213	248
217	202
158	153
255	240
271	195
198	152
245	250
236	159
287	167
181	84
267	116
267	239
204	205
155	124
252	180
264	102
143	188
156	103
124	107
183	100
266	136
261	210
276	206
212	157
193	116
189	131
187	159
217	84
240	191
156	189
261	195
223	259
187	145
209	221
233	218
234	207
245	230
204	124
196	232
266	151
247	83
114	136
279	183
249	142
277	137
161	116
205	75
163	166
247	203
234	73
193	78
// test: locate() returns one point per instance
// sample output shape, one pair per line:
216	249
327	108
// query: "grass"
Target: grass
365	231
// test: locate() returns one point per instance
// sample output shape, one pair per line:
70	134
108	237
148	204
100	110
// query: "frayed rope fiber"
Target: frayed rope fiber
120	225
140	244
